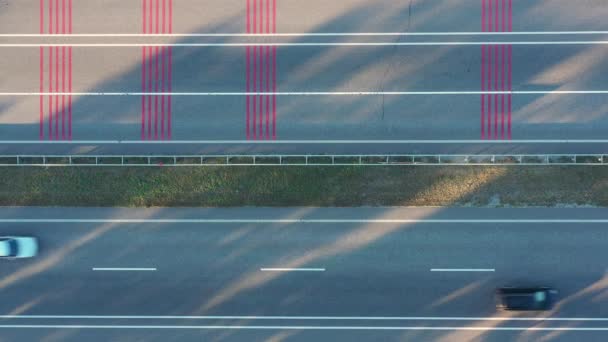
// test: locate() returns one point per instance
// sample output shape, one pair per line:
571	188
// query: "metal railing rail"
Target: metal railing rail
311	160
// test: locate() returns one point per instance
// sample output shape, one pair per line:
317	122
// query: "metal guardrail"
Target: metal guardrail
312	160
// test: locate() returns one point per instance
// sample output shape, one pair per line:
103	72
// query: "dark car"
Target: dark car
525	298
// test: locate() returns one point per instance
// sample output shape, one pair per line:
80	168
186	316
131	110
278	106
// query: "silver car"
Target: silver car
18	247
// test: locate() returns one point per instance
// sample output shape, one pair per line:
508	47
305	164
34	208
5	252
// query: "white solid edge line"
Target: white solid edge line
280	269
462	270
308	34
561	42
313	93
124	268
306	142
388	221
290	327
308	318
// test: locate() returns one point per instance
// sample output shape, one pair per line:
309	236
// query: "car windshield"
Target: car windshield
12	247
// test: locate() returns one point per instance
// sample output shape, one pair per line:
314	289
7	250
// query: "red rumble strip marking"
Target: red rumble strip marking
260	98
502	78
496	76
156	71
70	72
50	72
274	72
489	87
483	69
143	75
255	69
41	71
162	77
247	71
56	72
150	60
63	58
267	72
156	75
509	71
169	74
261	18
496	16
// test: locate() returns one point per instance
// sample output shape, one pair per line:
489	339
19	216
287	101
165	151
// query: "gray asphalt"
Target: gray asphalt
207	264
217	122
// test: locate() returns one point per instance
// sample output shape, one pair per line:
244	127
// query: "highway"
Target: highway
277	274
352	76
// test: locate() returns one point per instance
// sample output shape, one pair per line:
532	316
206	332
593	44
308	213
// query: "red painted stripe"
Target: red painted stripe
502	97
70	72
41	71
169	74
489	87
150	63
150	60
156	74
162	98
164	5
143	75
483	67
50	91
502	77
162	78
496	74
157	12
255	68
143	89
509	72
41	98
261	65
267	72
247	71
156	96
274	72
63	16
63	58
56	90
56	72
169	100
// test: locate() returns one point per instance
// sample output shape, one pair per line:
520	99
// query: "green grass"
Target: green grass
304	186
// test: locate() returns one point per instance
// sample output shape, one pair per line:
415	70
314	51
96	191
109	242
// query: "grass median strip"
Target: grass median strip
305	186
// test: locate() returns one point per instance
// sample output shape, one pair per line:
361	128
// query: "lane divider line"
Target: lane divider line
319	93
303	220
296	327
462	270
321	318
316	34
124	268
280	269
310	142
314	44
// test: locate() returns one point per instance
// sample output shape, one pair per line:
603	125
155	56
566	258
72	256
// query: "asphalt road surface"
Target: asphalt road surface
300	274
334	93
